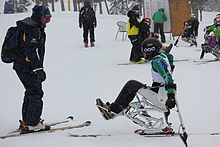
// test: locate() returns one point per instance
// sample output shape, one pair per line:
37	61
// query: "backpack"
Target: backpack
11	45
88	15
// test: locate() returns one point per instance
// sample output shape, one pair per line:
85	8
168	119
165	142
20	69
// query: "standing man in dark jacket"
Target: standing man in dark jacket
29	67
133	26
87	20
159	18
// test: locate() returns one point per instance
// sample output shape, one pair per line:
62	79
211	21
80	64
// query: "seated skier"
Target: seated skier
161	67
191	30
212	42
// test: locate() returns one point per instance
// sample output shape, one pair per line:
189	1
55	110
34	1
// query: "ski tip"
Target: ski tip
70	117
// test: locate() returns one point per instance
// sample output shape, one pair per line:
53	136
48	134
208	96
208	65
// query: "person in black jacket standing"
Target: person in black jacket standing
87	20
29	67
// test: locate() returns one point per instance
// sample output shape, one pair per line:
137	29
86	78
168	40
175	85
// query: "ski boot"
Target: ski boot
24	129
104	109
86	45
92	44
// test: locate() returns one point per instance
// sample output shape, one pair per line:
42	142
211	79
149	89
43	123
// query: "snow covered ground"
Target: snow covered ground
76	76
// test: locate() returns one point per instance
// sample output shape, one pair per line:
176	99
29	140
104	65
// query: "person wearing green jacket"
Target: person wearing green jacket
159	18
212	42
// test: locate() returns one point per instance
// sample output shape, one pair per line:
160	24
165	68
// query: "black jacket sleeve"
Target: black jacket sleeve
134	22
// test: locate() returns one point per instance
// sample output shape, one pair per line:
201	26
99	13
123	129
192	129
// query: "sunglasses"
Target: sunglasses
47	18
136	11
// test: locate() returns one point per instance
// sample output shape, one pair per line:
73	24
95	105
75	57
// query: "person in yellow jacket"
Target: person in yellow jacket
133	30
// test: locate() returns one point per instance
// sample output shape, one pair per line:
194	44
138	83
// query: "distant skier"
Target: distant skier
161	67
29	67
212	42
133	26
144	33
87	20
191	30
144	30
159	17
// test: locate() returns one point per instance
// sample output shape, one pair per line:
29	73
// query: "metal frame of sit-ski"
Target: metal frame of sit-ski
151	101
138	111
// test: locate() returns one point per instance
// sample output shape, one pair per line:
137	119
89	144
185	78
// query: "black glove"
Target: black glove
80	25
171	102
207	32
95	24
40	74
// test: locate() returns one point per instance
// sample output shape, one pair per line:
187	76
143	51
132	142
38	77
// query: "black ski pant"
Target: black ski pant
158	27
136	53
126	95
88	31
32	103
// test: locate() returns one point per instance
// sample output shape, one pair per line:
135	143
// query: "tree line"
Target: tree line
114	7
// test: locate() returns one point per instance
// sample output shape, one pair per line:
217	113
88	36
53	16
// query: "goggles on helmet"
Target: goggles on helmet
46	19
136	11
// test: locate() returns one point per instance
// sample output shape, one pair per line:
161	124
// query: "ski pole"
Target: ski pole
175	44
183	136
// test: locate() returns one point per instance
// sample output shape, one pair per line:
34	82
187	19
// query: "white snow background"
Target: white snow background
76	76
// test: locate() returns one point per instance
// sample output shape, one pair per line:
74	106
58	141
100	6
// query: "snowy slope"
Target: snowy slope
76	76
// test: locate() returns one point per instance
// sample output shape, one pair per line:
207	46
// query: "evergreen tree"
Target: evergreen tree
118	7
22	6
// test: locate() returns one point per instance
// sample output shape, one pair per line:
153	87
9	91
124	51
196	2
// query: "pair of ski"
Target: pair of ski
16	133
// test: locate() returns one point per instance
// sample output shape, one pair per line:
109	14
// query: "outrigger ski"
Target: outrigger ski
87	123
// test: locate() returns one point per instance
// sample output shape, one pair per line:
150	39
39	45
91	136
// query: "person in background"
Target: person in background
133	26
191	30
144	30
29	68
212	39
87	20
159	17
193	21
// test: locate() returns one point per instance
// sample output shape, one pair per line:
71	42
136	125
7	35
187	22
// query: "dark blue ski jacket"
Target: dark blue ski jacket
32	53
